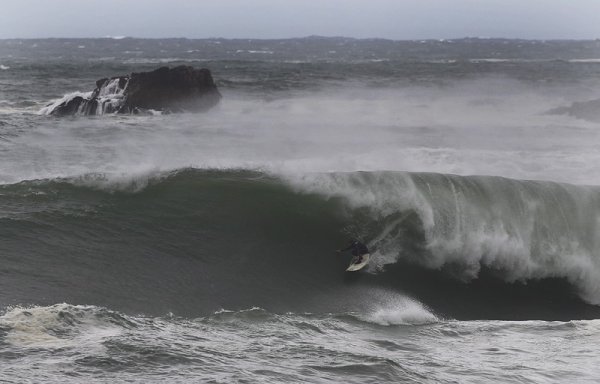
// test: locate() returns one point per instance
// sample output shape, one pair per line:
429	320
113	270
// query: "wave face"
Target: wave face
194	241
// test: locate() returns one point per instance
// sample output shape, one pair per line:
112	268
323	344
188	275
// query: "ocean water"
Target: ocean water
201	247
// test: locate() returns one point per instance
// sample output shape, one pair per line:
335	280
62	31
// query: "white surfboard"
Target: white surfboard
355	267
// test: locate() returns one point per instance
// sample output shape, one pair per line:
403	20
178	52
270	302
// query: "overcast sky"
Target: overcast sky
395	19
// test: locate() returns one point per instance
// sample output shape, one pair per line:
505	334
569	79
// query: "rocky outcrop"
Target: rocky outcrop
166	90
586	110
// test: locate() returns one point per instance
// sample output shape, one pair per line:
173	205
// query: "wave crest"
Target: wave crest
522	229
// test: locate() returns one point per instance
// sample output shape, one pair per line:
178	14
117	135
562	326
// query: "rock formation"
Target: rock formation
586	110
166	90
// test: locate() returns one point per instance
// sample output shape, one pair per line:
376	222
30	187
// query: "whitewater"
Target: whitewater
200	247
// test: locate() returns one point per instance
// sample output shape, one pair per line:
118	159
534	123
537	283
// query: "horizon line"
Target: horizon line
119	37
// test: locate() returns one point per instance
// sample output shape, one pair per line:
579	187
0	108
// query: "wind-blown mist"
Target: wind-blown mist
488	127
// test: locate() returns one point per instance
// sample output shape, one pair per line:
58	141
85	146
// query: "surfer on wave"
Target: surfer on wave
358	250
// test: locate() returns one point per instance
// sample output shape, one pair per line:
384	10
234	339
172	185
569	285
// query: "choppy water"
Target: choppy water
91	343
199	247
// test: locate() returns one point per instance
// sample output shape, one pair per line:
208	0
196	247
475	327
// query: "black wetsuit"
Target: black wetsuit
358	250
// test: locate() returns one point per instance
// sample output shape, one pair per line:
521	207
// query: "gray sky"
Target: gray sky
395	19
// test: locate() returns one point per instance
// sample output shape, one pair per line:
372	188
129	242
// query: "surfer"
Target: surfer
358	250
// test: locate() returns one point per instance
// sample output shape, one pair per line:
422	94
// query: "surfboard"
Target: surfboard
355	267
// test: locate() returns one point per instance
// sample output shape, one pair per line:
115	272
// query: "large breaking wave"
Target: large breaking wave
194	241
522	229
